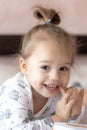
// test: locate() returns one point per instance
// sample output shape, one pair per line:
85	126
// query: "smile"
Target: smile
51	86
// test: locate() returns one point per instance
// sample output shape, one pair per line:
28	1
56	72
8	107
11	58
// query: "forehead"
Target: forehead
58	39
46	50
43	55
43	39
49	42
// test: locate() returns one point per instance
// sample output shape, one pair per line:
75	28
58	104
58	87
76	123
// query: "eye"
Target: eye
64	68
45	67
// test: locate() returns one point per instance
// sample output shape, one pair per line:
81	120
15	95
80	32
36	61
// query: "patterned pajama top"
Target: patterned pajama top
16	107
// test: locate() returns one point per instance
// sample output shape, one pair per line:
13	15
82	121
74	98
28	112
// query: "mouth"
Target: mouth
51	87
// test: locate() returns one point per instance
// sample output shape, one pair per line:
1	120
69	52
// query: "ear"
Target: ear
23	66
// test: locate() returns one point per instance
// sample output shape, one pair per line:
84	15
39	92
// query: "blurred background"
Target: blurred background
16	18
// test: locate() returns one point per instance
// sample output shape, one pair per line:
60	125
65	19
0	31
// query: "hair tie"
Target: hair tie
48	21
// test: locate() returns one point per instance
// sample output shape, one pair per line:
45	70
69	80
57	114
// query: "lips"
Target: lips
51	86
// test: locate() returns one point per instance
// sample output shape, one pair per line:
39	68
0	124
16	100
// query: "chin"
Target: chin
52	95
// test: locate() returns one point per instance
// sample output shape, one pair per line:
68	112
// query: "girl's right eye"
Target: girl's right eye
45	67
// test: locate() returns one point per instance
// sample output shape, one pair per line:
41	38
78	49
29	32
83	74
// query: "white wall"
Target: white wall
16	16
8	67
80	72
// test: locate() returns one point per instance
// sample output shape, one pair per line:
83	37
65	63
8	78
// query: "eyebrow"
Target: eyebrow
68	63
45	61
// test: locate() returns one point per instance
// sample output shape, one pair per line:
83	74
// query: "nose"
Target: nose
54	75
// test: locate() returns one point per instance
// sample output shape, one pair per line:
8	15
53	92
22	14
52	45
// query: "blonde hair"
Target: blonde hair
51	19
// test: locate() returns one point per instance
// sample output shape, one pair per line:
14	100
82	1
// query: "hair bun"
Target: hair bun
48	16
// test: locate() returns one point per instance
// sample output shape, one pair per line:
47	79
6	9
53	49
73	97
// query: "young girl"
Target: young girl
38	96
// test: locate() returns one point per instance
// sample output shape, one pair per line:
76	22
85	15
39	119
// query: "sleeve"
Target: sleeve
14	113
76	119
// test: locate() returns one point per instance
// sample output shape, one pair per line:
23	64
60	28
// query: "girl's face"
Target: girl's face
47	68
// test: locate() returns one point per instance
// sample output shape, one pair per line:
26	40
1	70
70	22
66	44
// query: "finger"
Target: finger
70	104
81	91
74	92
62	90
73	89
76	89
82	94
77	85
71	92
66	97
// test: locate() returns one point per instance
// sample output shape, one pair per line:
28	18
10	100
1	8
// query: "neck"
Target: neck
38	101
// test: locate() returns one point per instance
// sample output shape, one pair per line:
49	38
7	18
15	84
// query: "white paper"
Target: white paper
69	126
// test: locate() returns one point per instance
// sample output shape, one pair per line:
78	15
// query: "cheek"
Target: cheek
36	78
65	79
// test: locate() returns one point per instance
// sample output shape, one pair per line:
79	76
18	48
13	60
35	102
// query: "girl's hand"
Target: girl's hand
64	106
77	96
